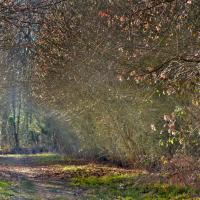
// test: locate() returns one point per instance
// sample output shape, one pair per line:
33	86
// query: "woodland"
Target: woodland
114	83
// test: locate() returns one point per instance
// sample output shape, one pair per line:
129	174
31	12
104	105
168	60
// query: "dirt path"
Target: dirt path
55	177
34	182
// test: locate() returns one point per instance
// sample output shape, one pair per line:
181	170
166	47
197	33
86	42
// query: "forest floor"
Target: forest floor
53	177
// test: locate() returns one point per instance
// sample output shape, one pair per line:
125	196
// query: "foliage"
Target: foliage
114	81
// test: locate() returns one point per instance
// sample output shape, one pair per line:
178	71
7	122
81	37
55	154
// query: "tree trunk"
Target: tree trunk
15	133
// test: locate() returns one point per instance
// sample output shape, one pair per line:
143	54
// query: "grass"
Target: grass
36	156
98	182
123	187
48	158
5	190
40	159
110	180
22	189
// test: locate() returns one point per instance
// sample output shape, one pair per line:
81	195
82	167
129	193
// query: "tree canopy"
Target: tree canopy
116	80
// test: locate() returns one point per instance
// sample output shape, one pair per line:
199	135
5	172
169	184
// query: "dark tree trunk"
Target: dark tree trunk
15	133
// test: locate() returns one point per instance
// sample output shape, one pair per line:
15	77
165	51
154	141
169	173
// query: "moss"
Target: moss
123	187
98	182
5	190
4	184
108	180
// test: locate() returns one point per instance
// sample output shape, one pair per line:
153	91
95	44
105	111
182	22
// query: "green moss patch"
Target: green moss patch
108	180
5	190
125	187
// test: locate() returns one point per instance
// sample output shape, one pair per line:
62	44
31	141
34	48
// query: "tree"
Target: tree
111	70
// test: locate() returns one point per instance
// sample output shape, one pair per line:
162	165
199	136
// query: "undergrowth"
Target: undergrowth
5	190
125	187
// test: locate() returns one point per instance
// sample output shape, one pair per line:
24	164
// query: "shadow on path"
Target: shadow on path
29	184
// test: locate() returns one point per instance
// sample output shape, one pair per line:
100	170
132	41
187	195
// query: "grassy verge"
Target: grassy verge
6	191
125	187
36	159
97	182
